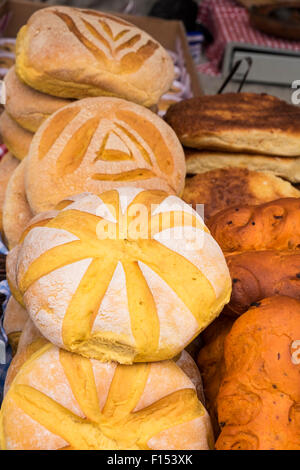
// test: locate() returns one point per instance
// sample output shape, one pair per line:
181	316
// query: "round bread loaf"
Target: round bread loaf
220	189
258	402
259	274
16	210
8	164
90	53
130	276
99	144
15	317
273	225
60	400
28	107
16	139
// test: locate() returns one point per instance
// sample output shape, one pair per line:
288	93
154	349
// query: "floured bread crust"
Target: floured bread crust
28	107
90	53
16	210
238	122
60	400
8	164
98	144
16	139
220	189
200	161
96	290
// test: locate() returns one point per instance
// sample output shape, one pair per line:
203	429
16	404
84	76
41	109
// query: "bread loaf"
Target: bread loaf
90	53
16	139
14	321
93	280
60	400
258	402
99	144
8	164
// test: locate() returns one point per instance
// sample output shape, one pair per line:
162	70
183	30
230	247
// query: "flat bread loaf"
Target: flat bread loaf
16	139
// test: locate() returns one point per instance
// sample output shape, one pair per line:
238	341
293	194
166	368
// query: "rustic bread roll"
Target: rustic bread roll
258	402
220	189
16	139
15	317
60	400
211	363
16	210
259	274
274	225
93	280
90	53
99	144
200	161
238	122
8	164
28	107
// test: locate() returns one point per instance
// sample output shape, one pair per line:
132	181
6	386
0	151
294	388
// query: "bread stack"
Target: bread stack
116	274
244	130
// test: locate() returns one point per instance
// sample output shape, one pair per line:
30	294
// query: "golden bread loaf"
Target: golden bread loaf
238	122
28	107
200	161
60	400
97	144
90	53
16	210
15	317
16	139
222	188
211	364
92	278
8	164
258	401
259	274
273	225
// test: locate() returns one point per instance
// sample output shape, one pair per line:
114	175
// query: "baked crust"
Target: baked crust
222	188
28	107
273	225
16	139
8	164
238	122
89	53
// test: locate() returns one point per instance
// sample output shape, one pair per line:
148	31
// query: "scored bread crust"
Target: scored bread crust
79	403
258	402
53	263
273	225
16	210
200	161
90	53
97	144
222	188
28	107
16	139
238	122
260	274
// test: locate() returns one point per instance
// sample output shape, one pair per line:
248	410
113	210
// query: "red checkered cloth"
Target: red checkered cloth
3	150
229	22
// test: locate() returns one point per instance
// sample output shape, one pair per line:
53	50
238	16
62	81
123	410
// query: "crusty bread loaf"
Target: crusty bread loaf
99	144
15	317
28	107
258	402
8	164
93	280
200	161
60	400
211	363
220	189
274	225
259	274
16	139
238	122
16	210
90	53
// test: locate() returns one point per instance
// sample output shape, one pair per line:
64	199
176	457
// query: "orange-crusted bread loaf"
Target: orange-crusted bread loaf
258	402
131	276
